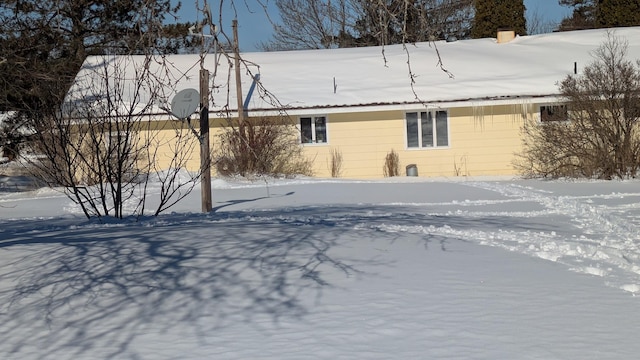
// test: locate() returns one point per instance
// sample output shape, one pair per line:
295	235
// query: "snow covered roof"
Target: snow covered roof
482	69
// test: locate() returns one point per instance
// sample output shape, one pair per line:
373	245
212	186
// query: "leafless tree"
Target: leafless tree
102	145
537	23
598	135
315	24
249	146
319	24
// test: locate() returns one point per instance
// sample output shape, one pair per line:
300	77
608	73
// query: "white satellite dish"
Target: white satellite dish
185	103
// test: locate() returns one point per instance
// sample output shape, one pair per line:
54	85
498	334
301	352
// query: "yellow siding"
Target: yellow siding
363	139
482	141
167	135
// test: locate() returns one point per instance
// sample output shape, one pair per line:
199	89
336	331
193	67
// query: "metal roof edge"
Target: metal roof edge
333	109
438	104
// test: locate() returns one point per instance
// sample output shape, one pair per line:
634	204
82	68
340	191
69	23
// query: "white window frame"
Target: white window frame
553	105
434	141
315	138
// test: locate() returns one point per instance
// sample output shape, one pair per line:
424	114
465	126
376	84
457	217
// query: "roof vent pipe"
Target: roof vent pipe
505	36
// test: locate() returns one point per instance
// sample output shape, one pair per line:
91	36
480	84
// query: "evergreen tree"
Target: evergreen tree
615	13
582	17
44	43
592	14
492	15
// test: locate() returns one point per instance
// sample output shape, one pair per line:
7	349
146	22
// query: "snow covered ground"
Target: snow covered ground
402	268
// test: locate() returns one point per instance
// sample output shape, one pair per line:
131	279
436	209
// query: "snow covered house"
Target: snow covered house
451	108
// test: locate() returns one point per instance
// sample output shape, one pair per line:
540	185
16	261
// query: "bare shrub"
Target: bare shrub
335	162
262	146
460	166
391	164
599	137
102	145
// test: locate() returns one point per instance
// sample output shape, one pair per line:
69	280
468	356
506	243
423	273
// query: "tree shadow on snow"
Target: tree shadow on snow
71	287
78	287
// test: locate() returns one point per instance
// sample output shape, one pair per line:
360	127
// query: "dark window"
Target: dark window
553	113
427	129
442	129
412	130
313	129
307	130
321	129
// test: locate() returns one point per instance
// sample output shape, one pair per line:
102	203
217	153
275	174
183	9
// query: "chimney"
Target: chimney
505	36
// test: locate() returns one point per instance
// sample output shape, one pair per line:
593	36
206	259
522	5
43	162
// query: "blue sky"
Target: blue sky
254	25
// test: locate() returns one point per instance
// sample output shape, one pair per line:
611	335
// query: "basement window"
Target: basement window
427	129
550	113
313	129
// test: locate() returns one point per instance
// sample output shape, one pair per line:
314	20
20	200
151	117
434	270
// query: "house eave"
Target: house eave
409	105
382	106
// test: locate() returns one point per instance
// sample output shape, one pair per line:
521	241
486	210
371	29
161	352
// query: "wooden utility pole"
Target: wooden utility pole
242	128
236	55
205	155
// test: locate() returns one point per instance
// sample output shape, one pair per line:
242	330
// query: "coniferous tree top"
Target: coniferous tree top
44	43
616	13
494	15
593	14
